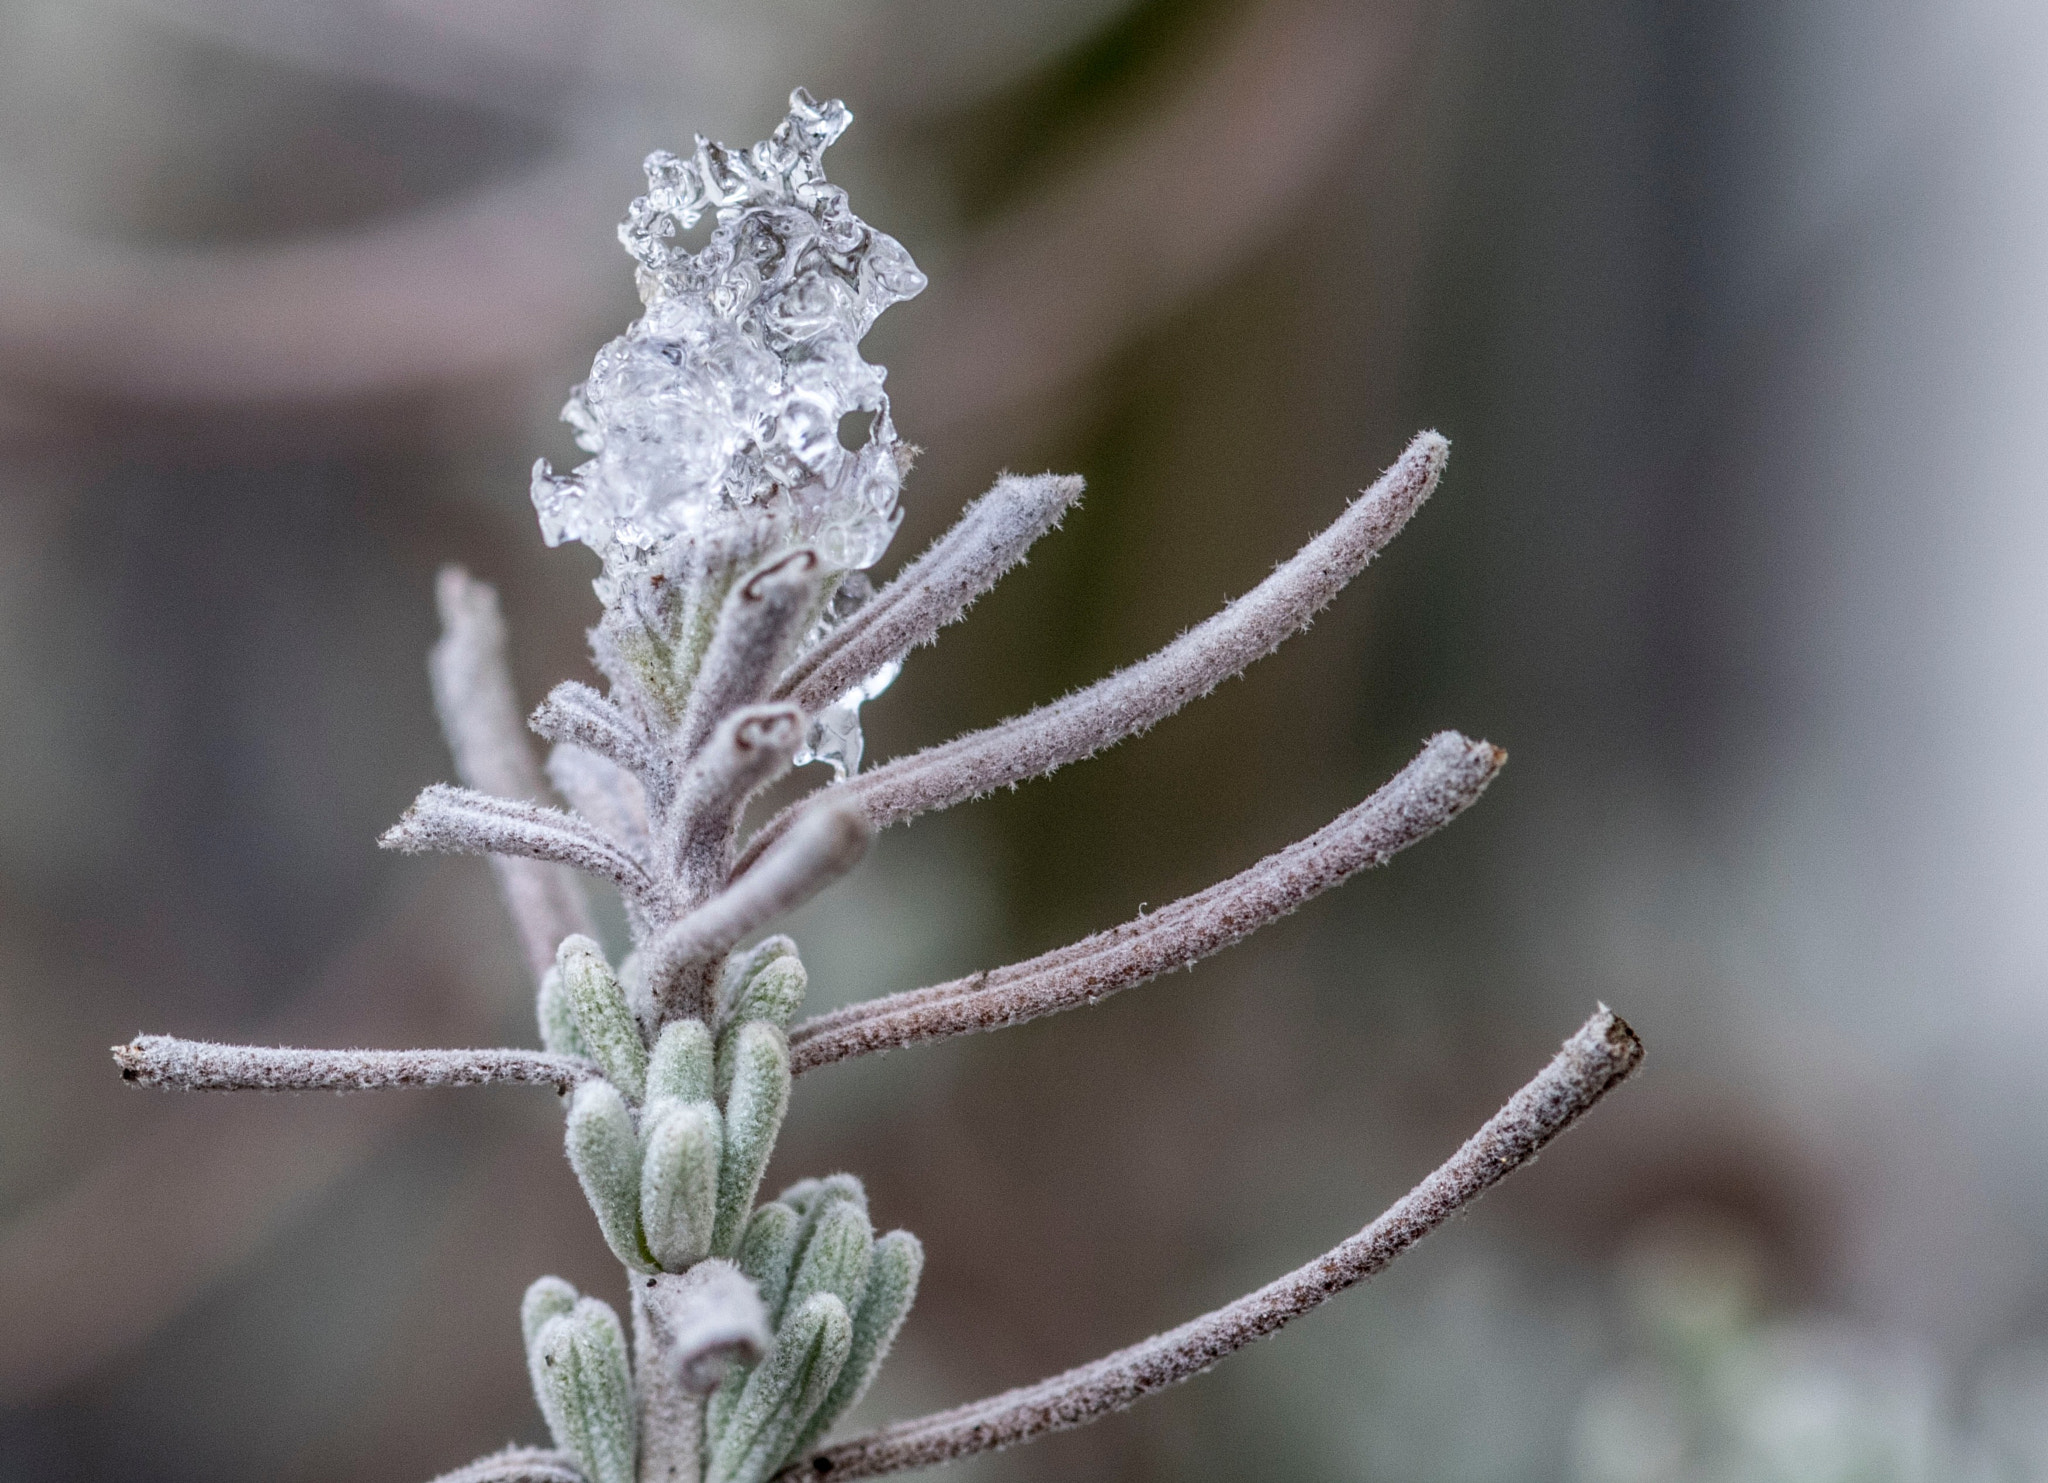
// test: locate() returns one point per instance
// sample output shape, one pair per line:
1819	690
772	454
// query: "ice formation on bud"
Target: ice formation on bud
723	402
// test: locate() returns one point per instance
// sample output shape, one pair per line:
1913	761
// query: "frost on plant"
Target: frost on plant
724	399
739	635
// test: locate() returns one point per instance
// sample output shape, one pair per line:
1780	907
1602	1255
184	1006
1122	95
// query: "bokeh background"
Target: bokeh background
1736	317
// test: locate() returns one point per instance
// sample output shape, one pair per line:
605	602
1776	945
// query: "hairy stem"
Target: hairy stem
202	1066
518	1465
480	717
760	624
1135	699
1592	1063
573	712
826	843
935	590
1448	775
749	749
461	821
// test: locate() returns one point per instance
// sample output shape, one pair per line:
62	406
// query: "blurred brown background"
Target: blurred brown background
1736	317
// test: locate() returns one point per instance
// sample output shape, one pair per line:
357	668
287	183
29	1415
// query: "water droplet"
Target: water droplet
835	734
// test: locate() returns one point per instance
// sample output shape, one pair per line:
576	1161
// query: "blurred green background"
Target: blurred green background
1736	318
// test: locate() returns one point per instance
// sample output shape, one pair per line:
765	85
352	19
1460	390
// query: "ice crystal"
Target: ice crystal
835	735
723	402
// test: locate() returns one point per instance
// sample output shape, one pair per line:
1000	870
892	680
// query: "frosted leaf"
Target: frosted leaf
722	403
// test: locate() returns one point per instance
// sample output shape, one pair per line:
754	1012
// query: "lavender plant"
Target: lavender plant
740	636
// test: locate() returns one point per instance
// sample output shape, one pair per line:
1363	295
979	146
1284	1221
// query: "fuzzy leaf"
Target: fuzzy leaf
775	993
605	1154
681	1064
753	1116
835	1256
598	1004
811	1198
741	967
808	1196
679	1183
892	1288
603	792
587	1390
783	1393
548	1297
518	1465
558	1031
768	1254
772	995
461	821
767	1258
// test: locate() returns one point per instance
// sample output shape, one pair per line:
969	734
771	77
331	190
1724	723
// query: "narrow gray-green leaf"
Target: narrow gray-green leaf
807	1196
588	1387
558	1031
783	1393
744	964
768	1254
681	1064
598	1004
753	1116
892	1288
835	1256
679	1183
767	1258
548	1297
605	1154
772	995
773	992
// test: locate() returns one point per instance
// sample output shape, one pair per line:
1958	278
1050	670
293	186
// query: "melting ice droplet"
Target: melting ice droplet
835	734
723	401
